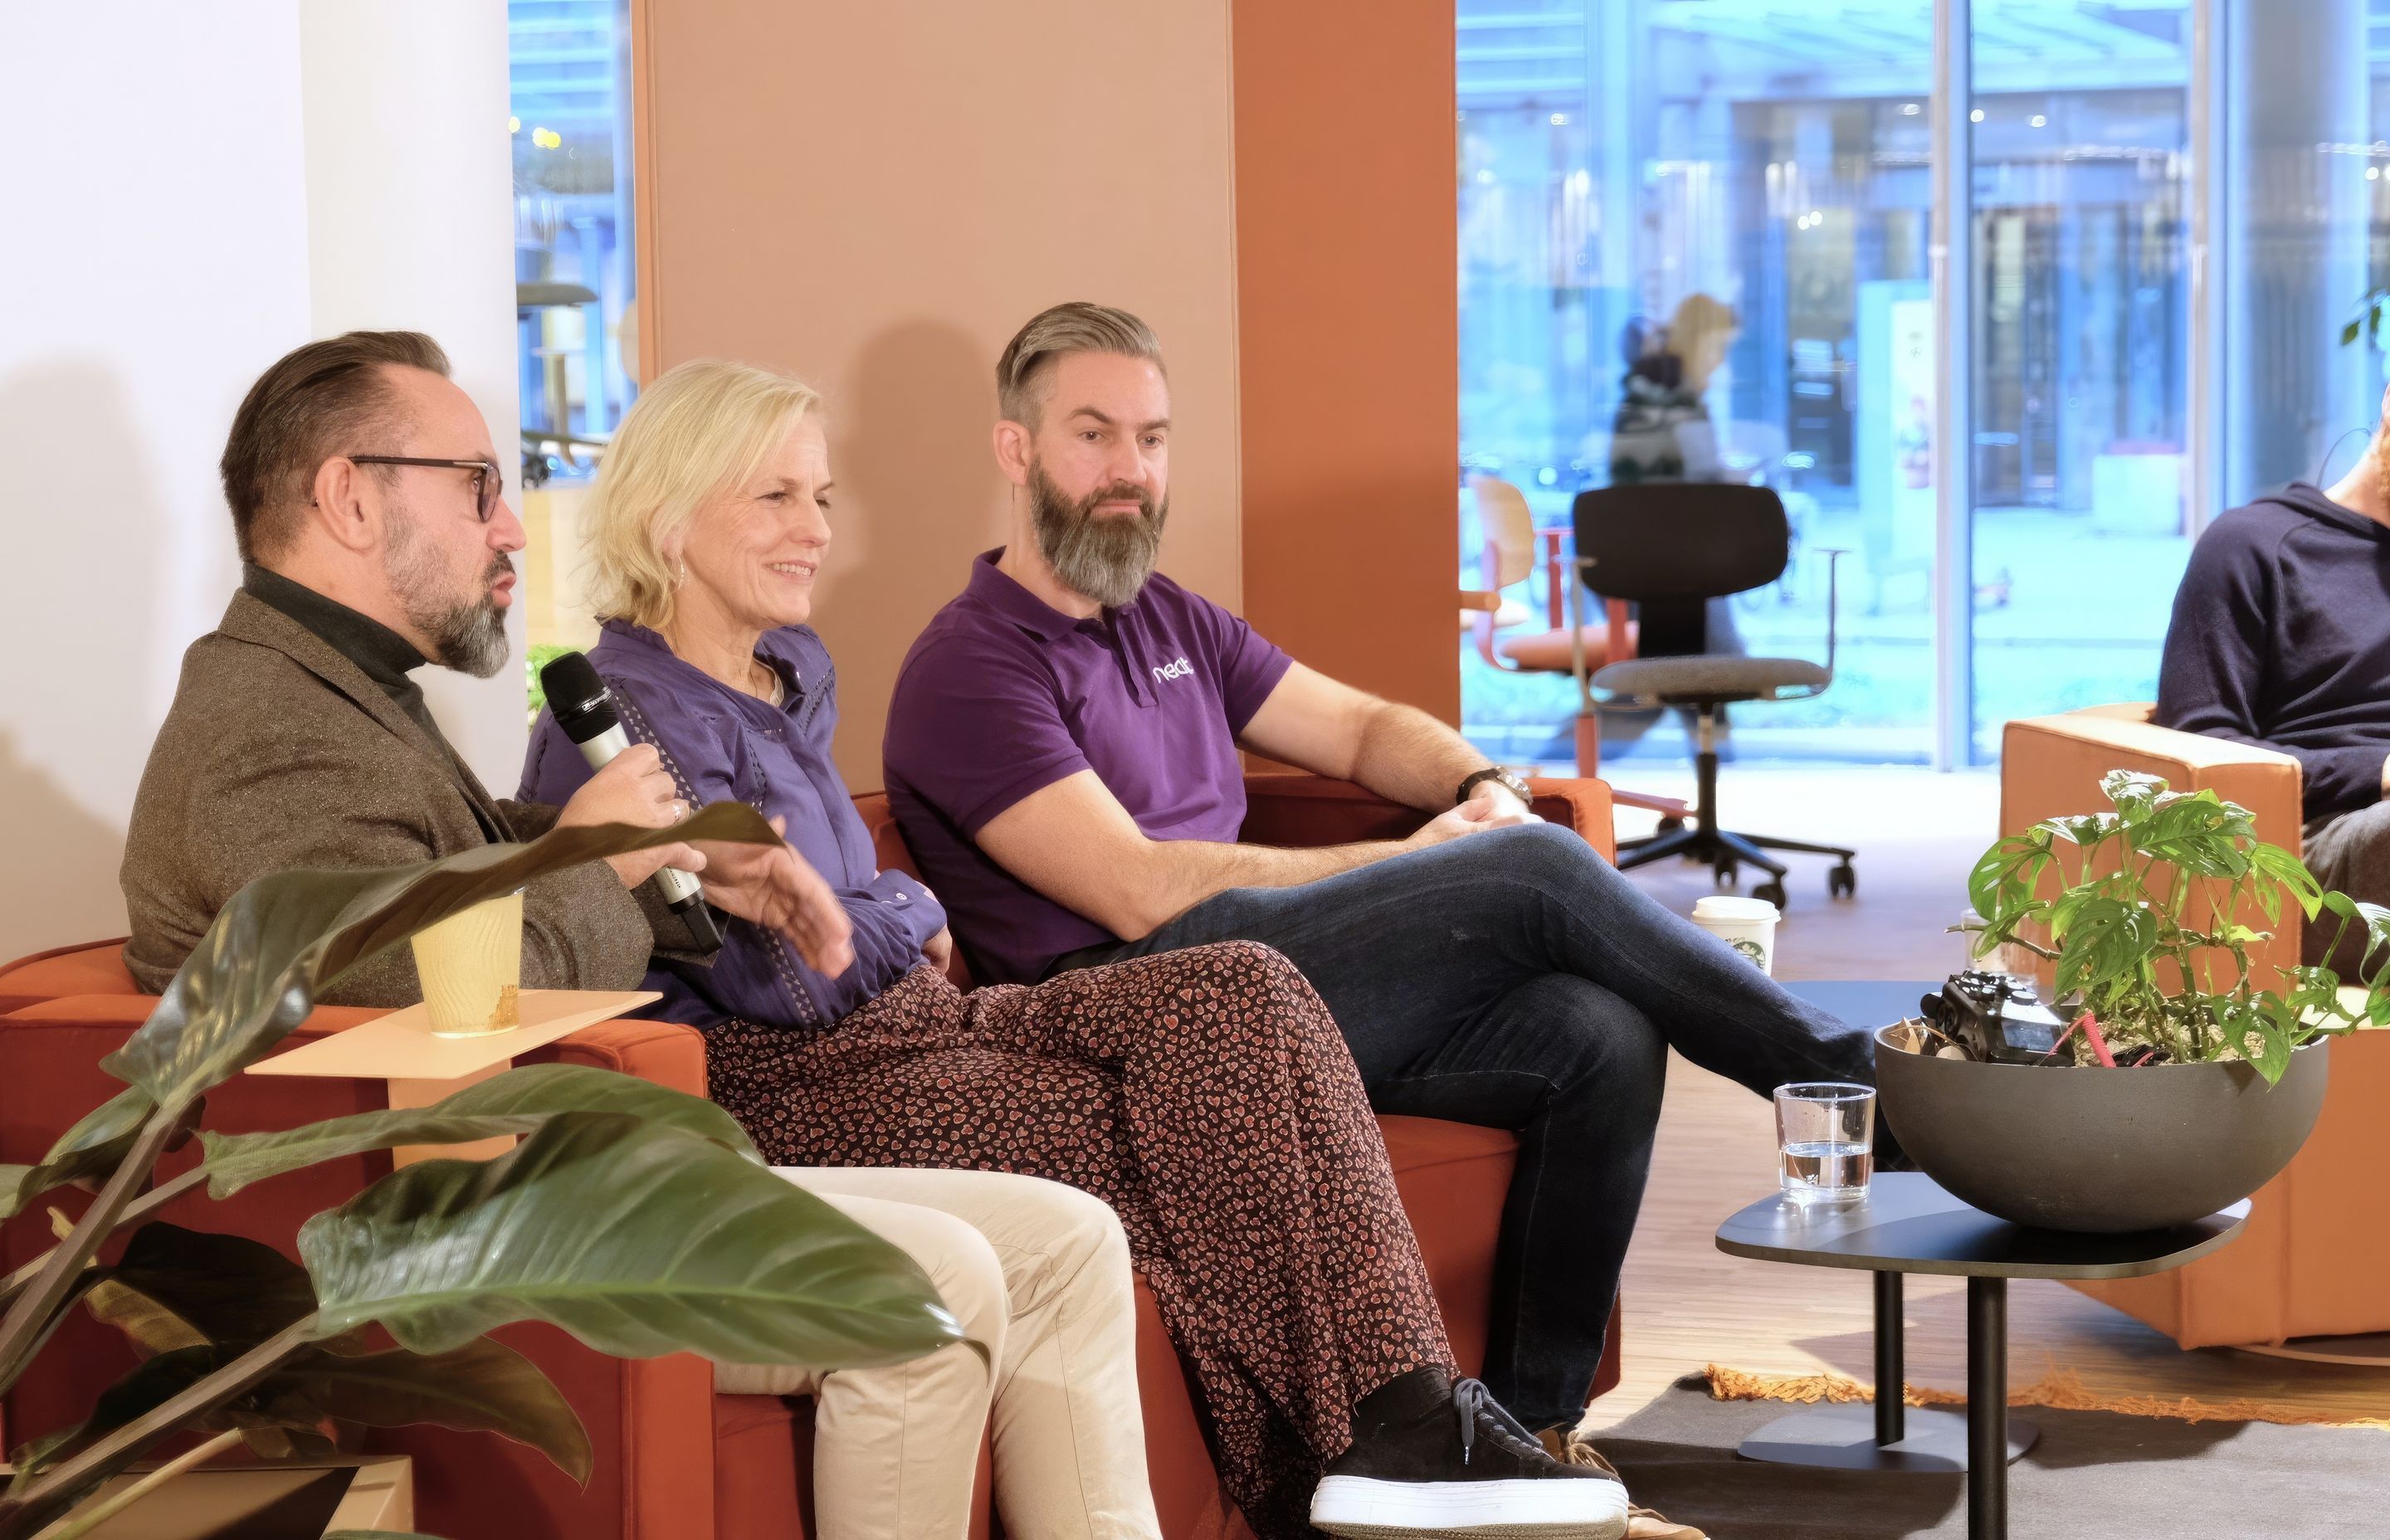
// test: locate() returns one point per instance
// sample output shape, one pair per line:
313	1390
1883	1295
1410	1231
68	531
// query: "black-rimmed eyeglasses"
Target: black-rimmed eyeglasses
488	481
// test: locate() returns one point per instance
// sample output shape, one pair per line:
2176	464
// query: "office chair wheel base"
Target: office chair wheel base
1773	892
1670	823
1727	874
1842	883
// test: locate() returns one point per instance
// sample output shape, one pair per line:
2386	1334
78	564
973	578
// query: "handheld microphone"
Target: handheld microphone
585	708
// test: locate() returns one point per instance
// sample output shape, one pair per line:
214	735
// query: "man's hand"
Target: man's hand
1499	800
634	788
771	886
940	949
1477	814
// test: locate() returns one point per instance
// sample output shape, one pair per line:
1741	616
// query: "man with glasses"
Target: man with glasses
367	503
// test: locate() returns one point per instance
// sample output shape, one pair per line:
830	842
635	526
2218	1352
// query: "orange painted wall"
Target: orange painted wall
1347	338
877	195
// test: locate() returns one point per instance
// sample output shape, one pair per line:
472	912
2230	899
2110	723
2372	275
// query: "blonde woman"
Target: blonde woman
1206	1094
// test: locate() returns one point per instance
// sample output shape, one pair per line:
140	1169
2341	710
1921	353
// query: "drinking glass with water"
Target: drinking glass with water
1825	1141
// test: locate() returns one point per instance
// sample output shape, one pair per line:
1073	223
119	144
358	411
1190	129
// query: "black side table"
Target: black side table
1906	1224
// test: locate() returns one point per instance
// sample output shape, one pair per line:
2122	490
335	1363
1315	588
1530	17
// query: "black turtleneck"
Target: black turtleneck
386	656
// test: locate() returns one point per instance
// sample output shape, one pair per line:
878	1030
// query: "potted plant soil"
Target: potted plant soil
2164	1079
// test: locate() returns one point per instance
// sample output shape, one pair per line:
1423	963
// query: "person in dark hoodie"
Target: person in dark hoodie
2280	638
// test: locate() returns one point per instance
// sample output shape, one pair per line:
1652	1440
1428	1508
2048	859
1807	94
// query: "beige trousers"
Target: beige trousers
1036	1272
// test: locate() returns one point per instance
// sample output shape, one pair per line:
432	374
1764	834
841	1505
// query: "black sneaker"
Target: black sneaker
1435	1456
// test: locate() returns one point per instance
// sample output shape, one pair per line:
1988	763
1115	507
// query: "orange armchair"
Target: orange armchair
2311	1261
675	1461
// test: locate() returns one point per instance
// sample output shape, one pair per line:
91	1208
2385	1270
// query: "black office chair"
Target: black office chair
1670	548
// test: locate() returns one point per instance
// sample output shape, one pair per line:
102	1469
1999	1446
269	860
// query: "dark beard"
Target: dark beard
469	636
1106	558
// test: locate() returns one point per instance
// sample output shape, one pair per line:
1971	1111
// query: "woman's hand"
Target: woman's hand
634	788
771	886
940	949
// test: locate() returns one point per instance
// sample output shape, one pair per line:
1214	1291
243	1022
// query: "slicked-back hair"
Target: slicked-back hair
1052	334
327	398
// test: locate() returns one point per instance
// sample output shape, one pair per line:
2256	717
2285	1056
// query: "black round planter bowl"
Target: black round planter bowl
2094	1151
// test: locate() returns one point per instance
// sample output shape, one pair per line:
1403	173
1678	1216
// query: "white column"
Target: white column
410	226
1954	434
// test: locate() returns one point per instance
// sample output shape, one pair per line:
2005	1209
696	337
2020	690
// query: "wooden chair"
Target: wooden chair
1511	556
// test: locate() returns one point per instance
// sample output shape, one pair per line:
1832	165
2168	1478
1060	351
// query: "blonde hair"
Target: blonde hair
1054	334
696	432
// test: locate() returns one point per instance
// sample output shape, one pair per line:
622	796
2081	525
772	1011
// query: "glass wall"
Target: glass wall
1644	179
2082	353
1693	241
569	62
576	328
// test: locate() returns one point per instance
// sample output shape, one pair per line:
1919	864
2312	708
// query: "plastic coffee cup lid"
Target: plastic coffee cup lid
1718	907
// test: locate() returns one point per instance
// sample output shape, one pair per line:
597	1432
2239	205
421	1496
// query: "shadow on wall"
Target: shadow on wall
920	498
89	535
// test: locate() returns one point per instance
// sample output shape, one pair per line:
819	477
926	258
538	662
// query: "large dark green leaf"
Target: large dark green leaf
484	1387
637	1239
91	1149
252	977
227	1289
515	1102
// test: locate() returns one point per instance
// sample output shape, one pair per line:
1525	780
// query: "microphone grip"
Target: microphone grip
682	892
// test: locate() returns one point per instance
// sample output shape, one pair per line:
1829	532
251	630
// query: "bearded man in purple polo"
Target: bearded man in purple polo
1063	756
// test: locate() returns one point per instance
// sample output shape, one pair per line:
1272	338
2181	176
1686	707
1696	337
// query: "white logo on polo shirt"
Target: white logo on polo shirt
1179	670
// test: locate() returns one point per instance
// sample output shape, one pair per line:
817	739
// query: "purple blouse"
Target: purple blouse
722	744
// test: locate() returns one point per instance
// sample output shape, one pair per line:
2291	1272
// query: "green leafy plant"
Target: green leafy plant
2150	937
535	658
636	1217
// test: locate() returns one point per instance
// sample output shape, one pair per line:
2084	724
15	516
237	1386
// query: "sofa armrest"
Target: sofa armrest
1294	809
2050	766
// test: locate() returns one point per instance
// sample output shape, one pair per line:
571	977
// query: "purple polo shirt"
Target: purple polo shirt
1005	695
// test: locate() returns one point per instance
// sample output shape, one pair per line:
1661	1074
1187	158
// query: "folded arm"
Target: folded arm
1075	843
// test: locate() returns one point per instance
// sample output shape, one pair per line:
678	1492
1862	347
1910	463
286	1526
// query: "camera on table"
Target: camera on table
1999	1018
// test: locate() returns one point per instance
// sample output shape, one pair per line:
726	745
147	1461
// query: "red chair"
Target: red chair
674	1461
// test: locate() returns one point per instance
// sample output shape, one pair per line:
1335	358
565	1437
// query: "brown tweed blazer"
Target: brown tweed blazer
280	754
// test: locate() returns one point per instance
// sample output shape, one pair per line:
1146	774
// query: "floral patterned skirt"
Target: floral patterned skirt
1207	1095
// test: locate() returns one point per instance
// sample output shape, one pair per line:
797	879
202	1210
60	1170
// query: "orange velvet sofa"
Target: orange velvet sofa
675	1461
2312	1259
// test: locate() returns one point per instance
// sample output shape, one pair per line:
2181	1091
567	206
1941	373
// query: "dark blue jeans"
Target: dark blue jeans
1514	979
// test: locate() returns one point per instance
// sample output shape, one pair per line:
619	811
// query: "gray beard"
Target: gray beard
470	635
1107	560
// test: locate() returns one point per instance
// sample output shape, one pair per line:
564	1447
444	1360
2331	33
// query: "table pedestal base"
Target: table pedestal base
1842	1438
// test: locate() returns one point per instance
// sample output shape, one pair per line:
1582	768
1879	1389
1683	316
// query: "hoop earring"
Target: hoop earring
681	574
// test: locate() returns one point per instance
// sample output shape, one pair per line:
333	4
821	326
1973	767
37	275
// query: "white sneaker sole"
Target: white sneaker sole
1357	1507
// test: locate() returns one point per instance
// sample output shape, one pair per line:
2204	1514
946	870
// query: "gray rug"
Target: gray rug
2092	1474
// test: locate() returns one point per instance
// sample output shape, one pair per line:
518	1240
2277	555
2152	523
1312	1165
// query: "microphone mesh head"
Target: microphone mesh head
578	697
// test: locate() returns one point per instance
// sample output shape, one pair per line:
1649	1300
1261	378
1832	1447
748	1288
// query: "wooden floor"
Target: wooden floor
1689	1305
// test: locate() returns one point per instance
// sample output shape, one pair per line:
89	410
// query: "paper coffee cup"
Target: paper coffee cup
470	964
1746	924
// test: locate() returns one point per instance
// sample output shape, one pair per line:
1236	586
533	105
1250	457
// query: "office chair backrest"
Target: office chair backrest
1671	546
1509	530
